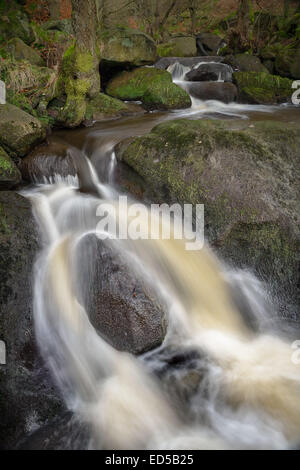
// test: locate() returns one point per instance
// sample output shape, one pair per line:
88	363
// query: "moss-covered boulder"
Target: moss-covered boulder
262	88
19	131
126	46
14	22
20	51
27	396
9	174
152	86
104	107
181	46
247	179
287	63
246	63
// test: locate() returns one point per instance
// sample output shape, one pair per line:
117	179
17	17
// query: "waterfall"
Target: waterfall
248	395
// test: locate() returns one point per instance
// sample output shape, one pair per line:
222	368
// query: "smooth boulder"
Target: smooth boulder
245	63
19	131
181	46
211	71
126	47
246	177
209	44
152	86
219	91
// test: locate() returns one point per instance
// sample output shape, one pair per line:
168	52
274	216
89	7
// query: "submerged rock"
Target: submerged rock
225	92
126	46
246	177
10	176
19	131
27	396
262	88
181	46
20	51
152	86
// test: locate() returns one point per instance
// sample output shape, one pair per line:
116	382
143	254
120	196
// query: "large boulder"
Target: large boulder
152	86
225	92
181	46
262	88
247	179
27	396
287	63
19	131
122	308
10	176
245	63
210	71
126	46
105	107
209	44
20	51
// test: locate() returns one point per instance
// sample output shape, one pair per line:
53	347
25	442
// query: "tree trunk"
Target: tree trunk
244	22
193	19
80	66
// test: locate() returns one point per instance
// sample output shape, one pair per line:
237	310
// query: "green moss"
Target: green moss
154	87
104	105
262	87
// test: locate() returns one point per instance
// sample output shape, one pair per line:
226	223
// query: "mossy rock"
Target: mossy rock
182	46
247	180
104	106
20	51
10	176
14	23
262	88
127	46
152	86
19	131
246	63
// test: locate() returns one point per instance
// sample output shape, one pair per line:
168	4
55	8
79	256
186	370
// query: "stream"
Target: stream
216	382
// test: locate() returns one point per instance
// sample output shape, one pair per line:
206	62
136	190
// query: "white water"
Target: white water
178	72
248	391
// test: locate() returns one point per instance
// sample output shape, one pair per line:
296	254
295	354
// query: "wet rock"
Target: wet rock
225	92
126	46
19	131
104	107
10	176
262	88
20	51
122	308
245	63
209	44
210	72
165	62
152	86
181	46
246	177
46	161
27	396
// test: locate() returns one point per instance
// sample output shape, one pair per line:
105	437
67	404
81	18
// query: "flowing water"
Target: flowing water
223	377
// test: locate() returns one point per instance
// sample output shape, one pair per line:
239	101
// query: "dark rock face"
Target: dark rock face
247	179
209	44
27	396
225	92
122	308
47	160
210	72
